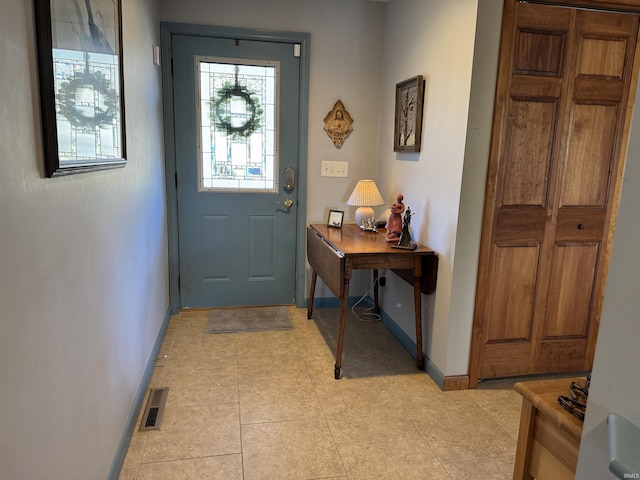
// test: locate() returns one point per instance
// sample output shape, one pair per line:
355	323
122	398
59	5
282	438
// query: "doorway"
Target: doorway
236	195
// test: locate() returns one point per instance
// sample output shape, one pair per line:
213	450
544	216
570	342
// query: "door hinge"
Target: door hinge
296	50
175	176
172	66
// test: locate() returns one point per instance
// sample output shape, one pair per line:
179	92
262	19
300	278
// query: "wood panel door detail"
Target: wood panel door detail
560	129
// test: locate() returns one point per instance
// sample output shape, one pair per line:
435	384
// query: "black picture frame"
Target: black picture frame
407	134
335	218
80	73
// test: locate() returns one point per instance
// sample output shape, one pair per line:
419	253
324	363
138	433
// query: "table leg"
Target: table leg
312	292
343	321
417	305
376	301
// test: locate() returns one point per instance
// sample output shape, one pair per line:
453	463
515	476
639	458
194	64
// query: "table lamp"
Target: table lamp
365	196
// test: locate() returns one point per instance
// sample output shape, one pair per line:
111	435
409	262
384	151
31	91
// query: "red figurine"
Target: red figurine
394	224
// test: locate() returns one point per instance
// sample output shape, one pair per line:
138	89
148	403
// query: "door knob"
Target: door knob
287	203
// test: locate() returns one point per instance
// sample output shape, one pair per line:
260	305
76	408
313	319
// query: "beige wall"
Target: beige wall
434	39
83	267
476	159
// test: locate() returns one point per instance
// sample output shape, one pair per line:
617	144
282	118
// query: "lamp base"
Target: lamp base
363	214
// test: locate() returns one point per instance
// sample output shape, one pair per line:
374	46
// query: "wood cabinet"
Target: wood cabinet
549	436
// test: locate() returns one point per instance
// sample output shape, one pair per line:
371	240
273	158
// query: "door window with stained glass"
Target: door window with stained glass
237	123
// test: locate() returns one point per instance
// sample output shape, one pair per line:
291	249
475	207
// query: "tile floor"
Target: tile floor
248	406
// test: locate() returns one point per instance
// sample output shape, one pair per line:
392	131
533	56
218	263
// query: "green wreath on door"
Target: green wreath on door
221	114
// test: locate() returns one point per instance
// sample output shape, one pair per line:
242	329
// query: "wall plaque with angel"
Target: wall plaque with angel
337	124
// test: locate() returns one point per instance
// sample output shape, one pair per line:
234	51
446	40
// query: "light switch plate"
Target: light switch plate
335	169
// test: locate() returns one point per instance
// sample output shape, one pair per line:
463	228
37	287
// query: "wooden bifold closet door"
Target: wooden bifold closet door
560	129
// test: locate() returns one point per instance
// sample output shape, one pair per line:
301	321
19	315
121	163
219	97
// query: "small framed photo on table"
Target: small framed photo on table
335	218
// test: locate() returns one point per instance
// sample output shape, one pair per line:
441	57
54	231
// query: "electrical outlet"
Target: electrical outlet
382	278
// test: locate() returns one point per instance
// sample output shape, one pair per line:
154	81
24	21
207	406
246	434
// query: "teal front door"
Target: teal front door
236	107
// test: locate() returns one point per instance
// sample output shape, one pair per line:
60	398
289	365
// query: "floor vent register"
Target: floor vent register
152	417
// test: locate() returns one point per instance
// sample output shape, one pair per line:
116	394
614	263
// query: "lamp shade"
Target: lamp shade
365	196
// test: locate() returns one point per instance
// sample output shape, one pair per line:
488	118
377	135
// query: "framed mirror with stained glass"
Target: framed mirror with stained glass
81	84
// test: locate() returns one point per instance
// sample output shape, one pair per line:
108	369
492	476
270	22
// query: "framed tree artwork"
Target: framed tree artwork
81	84
408	117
